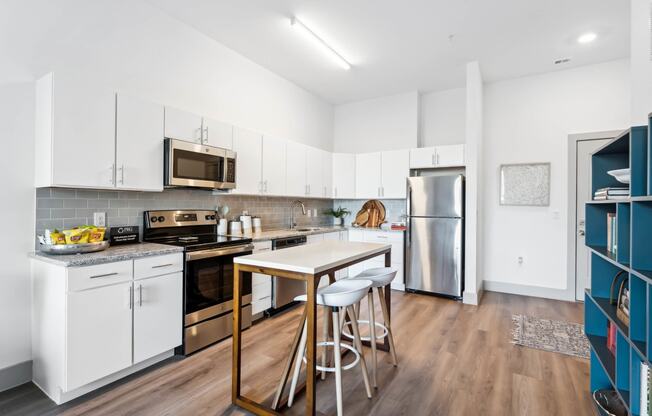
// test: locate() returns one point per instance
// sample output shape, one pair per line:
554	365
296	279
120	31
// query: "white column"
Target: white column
473	157
641	60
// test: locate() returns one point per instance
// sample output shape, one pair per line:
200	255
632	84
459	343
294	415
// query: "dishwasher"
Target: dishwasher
285	290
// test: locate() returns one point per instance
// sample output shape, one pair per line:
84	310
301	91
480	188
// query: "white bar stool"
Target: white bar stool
380	277
341	294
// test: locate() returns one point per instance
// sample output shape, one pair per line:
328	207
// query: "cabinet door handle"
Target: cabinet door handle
161	265
131	297
265	190
433	159
140	295
112	178
122	174
206	138
437	159
104	275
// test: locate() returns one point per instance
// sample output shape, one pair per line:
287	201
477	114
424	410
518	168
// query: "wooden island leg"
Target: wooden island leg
311	347
237	332
388	298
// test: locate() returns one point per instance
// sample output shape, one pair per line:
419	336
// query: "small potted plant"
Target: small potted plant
337	214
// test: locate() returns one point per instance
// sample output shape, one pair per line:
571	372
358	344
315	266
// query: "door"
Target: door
296	169
274	161
367	175
434	255
343	175
314	172
423	157
451	155
83	122
395	169
218	134
248	147
327	173
139	144
183	125
158	310
436	196
583	184
98	333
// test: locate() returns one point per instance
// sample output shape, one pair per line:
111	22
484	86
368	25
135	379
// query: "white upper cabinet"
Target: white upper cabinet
327	174
451	155
217	133
423	157
314	179
183	125
437	157
395	170
248	172
368	181
343	175
296	169
139	144
75	134
274	166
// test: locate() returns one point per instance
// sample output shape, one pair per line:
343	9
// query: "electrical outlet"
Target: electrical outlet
520	260
99	219
314	212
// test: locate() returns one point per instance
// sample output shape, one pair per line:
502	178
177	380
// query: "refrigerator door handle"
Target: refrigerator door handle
408	240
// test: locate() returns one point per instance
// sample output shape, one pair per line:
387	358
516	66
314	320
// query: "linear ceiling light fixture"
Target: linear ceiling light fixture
305	30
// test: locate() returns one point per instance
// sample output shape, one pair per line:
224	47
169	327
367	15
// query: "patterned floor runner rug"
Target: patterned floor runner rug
548	335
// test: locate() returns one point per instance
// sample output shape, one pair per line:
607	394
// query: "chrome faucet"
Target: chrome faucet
292	205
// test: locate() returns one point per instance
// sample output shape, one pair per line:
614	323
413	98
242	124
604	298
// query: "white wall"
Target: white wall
386	123
17	211
529	120
442	117
133	46
641	59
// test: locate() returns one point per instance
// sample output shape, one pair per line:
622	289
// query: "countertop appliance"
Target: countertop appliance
435	235
195	165
285	290
208	273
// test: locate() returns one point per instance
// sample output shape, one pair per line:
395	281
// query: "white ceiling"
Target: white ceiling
397	46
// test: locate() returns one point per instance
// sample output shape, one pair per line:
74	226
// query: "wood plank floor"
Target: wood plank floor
454	359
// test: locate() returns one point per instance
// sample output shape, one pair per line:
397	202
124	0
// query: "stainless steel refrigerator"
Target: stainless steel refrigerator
435	235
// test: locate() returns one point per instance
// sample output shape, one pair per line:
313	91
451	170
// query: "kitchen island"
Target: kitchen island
308	263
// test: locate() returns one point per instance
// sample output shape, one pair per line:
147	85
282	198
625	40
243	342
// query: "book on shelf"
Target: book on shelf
611	337
612	233
645	408
611	193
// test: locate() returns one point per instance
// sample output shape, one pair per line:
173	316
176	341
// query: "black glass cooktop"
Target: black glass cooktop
200	242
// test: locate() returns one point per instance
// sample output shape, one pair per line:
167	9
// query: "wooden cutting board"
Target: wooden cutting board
371	215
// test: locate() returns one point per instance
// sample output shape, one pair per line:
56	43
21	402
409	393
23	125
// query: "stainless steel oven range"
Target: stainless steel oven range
208	273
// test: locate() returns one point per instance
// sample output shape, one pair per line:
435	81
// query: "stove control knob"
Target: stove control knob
153	219
161	219
212	217
208	217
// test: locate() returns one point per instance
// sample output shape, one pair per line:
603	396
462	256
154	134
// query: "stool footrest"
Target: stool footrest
347	324
342	345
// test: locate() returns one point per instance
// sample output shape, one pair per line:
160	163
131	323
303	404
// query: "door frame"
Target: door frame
571	256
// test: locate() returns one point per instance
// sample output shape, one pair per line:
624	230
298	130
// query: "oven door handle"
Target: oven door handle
216	252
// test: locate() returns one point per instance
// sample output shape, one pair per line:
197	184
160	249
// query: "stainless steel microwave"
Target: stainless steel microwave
198	166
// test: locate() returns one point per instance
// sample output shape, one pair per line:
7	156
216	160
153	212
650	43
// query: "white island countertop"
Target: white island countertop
313	258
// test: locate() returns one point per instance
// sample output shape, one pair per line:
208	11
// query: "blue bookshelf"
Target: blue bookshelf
621	371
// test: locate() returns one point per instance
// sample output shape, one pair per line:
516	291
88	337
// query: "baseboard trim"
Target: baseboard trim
527	290
470	298
15	375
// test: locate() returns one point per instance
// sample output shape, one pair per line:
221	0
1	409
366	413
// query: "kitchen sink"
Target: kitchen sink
306	230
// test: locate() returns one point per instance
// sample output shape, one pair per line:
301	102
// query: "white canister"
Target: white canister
258	225
222	226
246	222
235	227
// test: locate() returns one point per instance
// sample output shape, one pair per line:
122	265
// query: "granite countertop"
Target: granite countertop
110	255
285	233
314	258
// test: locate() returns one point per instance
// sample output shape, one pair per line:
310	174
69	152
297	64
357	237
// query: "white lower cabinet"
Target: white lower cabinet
98	333
377	236
93	325
261	285
158	303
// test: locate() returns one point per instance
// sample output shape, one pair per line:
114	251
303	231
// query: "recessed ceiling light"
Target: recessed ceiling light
319	42
587	37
